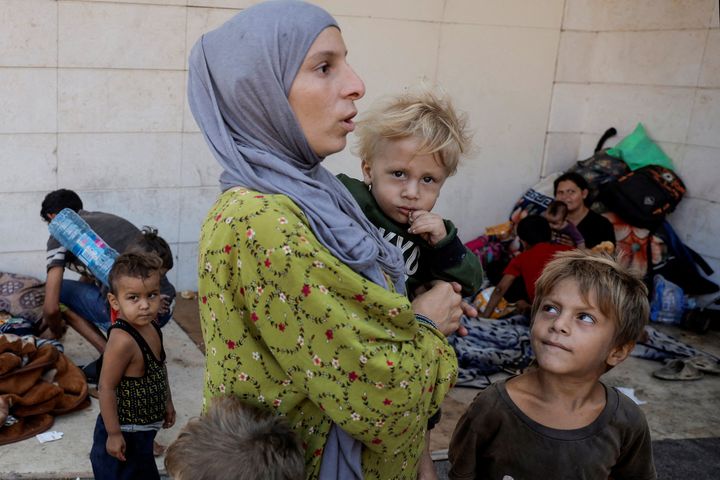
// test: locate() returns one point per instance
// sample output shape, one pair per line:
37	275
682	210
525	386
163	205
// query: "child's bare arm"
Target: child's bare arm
497	295
428	225
118	354
169	407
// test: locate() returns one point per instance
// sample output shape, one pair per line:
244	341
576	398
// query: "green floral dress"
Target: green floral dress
288	327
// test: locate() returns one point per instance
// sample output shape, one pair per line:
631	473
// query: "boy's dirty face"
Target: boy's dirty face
137	299
571	336
402	180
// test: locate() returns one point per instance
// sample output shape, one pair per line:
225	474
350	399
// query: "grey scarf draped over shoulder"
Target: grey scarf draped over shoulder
239	80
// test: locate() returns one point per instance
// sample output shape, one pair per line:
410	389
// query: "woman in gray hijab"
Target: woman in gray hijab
302	303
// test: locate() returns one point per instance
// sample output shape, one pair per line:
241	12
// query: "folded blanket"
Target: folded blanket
37	382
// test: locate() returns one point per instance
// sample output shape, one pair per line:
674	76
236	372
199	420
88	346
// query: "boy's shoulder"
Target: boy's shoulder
541	252
351	183
121	343
547	248
620	412
119	333
627	412
488	407
357	189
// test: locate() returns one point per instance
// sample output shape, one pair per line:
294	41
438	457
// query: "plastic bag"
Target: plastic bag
668	302
502	309
638	150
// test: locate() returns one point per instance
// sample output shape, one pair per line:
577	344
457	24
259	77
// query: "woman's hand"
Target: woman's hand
443	305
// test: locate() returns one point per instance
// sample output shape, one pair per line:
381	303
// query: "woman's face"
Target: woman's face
571	194
323	94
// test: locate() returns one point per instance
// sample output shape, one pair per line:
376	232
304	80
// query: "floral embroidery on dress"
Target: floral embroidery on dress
290	328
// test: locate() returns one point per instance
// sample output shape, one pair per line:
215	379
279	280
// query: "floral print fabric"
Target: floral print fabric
288	327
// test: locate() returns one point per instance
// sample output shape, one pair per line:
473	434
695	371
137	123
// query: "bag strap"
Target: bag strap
610	132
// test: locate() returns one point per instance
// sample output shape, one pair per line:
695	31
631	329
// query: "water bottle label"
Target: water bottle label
72	232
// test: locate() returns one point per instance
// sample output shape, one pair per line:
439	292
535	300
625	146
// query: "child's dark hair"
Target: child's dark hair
149	241
534	229
557	207
55	201
620	292
234	433
133	264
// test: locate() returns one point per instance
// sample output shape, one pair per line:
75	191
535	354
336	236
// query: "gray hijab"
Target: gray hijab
239	80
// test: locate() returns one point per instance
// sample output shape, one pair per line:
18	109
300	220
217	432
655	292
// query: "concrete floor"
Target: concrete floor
68	457
680	409
675	410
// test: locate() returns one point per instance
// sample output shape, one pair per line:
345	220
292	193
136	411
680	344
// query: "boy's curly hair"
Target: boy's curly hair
425	115
148	241
620	292
56	200
133	264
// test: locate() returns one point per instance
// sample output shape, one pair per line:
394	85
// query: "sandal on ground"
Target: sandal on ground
678	369
705	363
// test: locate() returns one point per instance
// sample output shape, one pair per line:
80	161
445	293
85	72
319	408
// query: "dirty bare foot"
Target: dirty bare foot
426	470
158	450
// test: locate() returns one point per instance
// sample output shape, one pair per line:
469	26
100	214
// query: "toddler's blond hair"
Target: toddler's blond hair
423	114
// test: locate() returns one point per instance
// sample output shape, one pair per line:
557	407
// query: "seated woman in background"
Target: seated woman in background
301	301
572	189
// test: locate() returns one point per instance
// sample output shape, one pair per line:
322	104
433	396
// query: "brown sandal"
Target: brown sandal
705	363
678	369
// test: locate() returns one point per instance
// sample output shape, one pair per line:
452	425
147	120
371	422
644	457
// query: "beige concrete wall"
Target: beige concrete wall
92	97
655	61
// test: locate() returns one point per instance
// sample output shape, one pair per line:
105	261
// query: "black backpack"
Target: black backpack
598	170
644	197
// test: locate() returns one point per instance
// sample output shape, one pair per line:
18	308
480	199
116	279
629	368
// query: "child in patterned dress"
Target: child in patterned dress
135	400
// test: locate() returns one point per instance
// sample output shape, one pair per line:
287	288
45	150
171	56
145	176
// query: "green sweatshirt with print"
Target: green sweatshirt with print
449	260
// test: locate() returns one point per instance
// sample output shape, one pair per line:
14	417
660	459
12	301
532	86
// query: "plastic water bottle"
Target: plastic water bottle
75	234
